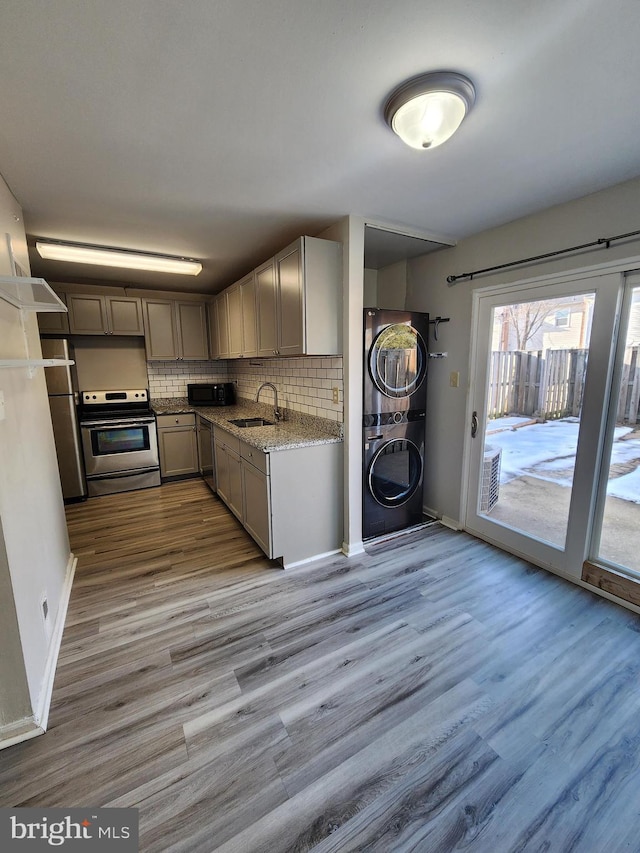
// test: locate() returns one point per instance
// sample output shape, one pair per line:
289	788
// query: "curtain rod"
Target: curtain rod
601	242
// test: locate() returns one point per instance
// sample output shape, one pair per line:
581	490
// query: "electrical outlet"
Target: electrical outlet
454	378
336	395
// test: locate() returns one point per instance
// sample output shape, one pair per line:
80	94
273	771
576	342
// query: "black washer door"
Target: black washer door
398	360
395	472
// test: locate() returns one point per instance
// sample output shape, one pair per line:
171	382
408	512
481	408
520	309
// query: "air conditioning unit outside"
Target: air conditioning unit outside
490	486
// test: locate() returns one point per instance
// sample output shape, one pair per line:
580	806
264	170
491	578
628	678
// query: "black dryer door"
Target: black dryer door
395	472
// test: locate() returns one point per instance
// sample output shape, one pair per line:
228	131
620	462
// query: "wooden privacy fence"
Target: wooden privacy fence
550	384
629	402
542	384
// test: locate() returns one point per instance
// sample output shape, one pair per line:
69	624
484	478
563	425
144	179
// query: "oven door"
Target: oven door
123	445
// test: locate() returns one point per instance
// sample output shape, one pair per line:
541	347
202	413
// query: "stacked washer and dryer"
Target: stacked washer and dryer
394	410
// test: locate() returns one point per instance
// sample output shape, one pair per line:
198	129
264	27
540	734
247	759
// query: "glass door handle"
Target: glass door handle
474	424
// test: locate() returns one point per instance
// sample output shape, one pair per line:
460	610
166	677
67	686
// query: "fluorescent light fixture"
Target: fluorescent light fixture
106	257
427	110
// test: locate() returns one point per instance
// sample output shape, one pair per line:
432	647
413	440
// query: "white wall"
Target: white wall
387	287
350	232
392	286
14	690
109	365
604	214
36	544
370	288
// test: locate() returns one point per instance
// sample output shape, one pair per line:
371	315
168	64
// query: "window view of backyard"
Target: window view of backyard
534	403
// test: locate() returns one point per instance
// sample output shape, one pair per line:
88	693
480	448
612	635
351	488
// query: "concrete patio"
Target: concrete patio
540	508
534	490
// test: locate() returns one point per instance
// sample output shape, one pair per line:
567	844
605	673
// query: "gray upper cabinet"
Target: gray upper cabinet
290	287
104	315
249	313
175	330
191	320
221	320
299	297
267	304
241	307
161	335
234	318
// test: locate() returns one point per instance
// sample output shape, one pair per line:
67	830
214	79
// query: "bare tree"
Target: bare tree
525	319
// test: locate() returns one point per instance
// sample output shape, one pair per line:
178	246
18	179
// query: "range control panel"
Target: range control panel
101	398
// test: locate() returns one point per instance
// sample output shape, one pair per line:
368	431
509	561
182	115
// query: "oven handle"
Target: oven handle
118	424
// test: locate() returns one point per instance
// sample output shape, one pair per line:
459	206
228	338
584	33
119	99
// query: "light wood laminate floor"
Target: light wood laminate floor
434	694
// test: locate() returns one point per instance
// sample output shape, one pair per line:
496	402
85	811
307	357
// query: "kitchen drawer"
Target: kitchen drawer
228	440
165	421
258	458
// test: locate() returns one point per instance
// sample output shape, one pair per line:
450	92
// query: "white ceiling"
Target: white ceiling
221	129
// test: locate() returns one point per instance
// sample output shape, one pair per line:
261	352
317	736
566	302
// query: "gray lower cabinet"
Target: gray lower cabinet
178	445
256	496
228	472
289	501
206	452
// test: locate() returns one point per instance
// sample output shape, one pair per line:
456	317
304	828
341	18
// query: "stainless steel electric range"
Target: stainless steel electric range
119	441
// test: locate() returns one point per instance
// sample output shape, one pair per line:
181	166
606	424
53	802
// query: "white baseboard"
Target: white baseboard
443	519
312	559
41	716
19	730
352	549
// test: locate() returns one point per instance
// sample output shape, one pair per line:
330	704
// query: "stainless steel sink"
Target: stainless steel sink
243	423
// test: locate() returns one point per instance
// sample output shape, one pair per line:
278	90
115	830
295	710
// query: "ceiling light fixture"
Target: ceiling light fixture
426	110
106	257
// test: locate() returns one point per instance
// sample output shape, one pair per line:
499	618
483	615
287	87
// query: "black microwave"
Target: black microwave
205	394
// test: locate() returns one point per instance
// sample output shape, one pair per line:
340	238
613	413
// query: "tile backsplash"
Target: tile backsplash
304	384
170	378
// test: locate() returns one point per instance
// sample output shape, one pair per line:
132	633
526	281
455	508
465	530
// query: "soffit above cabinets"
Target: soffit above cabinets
383	247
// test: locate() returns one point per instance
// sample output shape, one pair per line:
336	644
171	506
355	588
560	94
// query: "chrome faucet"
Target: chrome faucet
277	414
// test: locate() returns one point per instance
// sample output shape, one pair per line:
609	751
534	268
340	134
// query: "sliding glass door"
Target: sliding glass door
616	531
543	366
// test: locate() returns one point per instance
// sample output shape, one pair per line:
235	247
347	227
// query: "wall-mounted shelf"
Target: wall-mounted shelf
29	294
35	362
32	364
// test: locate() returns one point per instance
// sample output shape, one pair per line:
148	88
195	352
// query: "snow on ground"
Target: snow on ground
547	451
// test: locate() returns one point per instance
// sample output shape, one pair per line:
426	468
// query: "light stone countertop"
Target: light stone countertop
296	430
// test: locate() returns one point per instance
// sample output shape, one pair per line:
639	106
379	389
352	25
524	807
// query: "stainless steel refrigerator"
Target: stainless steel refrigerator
62	402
